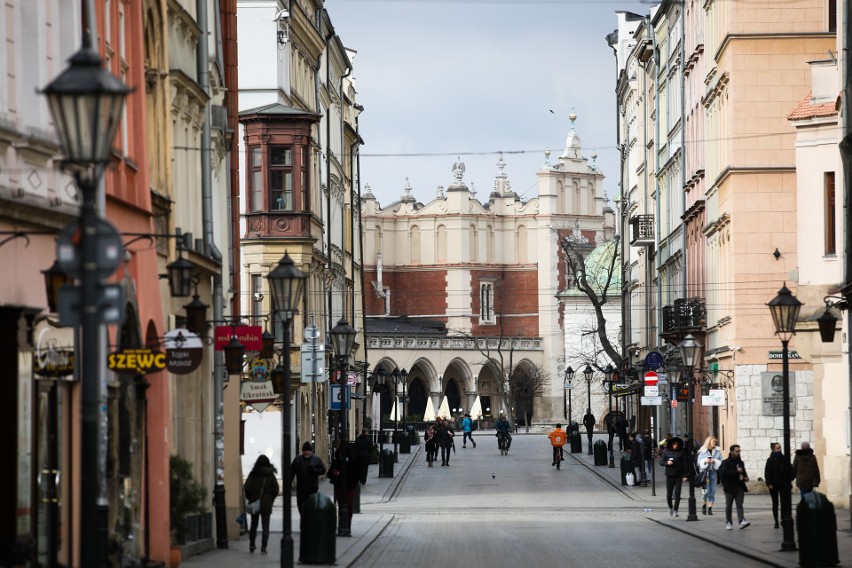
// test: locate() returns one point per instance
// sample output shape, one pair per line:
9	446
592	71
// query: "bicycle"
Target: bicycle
503	443
558	457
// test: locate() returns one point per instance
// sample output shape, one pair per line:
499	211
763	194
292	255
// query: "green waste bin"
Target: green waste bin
404	442
387	462
318	528
816	527
626	467
575	441
600	452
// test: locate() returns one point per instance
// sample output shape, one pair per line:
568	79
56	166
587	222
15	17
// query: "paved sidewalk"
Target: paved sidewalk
366	526
760	541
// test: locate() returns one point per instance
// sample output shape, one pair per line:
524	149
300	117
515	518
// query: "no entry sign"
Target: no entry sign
651	379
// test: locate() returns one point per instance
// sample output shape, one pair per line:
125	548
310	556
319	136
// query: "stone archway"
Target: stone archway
417	396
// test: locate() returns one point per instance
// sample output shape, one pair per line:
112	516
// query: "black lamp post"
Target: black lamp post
402	386
569	385
588	372
380	377
608	381
785	312
342	338
690	352
285	286
395	377
86	103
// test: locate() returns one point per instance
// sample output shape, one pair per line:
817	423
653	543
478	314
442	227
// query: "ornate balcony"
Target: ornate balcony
685	316
642	234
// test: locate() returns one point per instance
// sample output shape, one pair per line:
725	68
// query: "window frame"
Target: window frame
487	312
829	194
286	171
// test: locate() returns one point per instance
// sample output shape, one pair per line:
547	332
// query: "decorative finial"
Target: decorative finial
572	117
547	156
439	192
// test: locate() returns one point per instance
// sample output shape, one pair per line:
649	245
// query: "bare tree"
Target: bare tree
596	283
527	385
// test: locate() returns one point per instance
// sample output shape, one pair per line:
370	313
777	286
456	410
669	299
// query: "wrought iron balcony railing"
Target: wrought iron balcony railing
687	314
642	234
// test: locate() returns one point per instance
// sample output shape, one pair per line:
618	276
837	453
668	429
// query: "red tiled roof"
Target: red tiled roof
806	110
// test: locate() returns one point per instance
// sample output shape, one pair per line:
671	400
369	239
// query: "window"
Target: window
280	178
256	297
486	303
832	16
256	178
830	225
304	179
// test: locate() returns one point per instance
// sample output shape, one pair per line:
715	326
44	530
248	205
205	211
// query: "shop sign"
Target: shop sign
54	353
136	361
257	394
184	351
249	335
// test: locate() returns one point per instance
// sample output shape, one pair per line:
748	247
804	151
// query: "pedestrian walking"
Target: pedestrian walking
467	428
261	486
345	461
363	451
778	477
621	425
674	461
806	469
709	459
636	455
431	441
733	477
306	469
589	423
445	440
648	446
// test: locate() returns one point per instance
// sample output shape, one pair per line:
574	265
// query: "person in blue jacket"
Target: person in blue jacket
467	428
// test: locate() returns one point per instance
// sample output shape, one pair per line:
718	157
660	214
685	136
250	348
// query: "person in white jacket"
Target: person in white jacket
709	459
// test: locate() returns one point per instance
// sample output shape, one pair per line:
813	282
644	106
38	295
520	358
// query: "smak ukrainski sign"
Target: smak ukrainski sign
257	394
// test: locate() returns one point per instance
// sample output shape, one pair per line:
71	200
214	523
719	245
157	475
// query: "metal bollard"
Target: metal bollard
318	526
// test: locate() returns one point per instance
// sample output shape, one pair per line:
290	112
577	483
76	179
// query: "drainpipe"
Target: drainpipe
846	155
352	201
210	250
683	152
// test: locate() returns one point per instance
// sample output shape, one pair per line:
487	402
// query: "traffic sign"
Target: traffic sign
338	394
654	360
652	391
109	304
313	362
109	249
351	378
651	379
651	400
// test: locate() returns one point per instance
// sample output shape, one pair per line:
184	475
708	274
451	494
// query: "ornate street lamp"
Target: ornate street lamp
234	353
588	373
608	382
690	353
380	376
285	285
179	274
395	377
785	313
86	103
569	385
403	384
54	279
342	338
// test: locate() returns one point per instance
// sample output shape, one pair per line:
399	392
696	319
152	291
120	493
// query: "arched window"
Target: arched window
578	204
521	243
473	245
441	245
489	244
414	245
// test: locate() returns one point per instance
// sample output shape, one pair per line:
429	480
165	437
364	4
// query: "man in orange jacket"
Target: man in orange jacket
557	440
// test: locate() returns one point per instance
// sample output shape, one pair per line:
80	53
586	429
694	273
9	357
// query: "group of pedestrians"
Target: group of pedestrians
712	470
441	435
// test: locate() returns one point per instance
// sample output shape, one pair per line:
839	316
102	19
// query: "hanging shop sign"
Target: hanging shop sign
184	351
54	353
257	394
136	361
249	335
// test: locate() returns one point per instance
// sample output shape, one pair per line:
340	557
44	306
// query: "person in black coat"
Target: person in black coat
674	460
621	425
364	451
589	423
346	461
733	476
778	477
261	485
307	469
445	440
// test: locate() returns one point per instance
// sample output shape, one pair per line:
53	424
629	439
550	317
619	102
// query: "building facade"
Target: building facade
473	299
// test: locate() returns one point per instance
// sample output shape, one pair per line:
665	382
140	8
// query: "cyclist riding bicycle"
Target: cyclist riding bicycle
558	437
502	427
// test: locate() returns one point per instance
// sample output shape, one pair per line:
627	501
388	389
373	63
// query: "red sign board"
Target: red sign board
248	335
651	378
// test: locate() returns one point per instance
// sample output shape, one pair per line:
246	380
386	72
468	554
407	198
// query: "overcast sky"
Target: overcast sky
445	78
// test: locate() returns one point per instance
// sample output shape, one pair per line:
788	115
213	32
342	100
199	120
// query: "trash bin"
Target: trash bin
575	441
318	531
600	452
626	467
404	442
816	527
387	462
